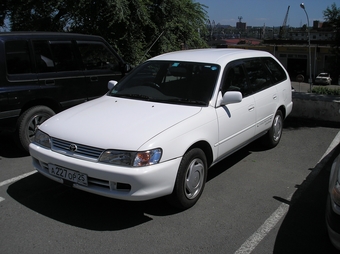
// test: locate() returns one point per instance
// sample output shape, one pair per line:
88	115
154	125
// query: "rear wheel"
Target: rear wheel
190	180
273	136
28	123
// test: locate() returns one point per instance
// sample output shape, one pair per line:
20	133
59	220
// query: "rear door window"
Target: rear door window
258	74
43	56
64	55
18	58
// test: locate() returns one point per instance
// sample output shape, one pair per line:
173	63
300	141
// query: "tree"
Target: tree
130	26
332	16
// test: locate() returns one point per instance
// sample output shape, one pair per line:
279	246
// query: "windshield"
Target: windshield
170	82
323	75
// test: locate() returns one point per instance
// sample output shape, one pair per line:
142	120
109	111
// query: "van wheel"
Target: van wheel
273	136
28	123
190	180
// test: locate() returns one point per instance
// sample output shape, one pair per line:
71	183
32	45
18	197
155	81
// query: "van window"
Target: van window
17	57
64	56
258	74
277	73
235	80
96	56
43	56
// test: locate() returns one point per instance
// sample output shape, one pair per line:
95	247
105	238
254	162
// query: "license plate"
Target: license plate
68	174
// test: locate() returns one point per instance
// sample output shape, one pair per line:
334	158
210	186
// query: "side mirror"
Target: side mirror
111	84
231	97
127	68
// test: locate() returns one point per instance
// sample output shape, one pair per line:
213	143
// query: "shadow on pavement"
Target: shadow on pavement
303	229
82	209
8	148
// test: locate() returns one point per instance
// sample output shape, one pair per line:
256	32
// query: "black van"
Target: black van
43	73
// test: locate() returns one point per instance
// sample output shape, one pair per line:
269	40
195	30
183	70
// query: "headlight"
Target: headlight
42	139
127	158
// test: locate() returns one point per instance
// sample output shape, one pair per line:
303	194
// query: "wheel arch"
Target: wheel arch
55	106
206	148
283	111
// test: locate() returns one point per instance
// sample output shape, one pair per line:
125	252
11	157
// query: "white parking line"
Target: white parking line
14	179
249	245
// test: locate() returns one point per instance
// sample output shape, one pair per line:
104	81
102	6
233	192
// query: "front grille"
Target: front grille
82	151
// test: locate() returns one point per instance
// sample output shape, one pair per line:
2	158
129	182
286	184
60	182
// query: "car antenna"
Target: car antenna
150	47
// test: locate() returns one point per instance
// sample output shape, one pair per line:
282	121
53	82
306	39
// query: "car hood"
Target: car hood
116	123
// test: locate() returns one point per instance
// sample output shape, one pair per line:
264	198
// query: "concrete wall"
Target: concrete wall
316	106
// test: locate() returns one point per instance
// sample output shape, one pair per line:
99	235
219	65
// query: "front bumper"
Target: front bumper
144	182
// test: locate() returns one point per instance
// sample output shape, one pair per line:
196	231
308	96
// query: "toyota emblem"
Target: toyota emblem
73	147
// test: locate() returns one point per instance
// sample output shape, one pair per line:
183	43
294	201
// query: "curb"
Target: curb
316	107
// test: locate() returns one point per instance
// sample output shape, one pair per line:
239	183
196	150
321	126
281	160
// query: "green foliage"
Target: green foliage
130	26
326	90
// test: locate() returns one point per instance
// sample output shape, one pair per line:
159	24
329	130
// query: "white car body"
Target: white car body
323	79
333	204
127	124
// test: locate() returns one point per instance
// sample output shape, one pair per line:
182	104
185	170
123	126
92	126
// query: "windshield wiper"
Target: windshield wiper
135	96
186	101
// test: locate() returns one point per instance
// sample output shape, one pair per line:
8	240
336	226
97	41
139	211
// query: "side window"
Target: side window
235	80
96	56
277	73
17	57
258	74
43	56
64	56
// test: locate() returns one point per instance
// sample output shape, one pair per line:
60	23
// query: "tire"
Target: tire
28	123
190	180
273	136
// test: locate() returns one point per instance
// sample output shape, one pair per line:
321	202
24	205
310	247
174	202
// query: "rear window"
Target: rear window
17	57
278	74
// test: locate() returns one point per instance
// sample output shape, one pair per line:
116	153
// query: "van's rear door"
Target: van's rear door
60	72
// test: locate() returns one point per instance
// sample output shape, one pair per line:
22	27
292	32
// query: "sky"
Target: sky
266	12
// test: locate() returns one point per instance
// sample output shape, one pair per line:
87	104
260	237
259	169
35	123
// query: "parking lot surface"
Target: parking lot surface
255	201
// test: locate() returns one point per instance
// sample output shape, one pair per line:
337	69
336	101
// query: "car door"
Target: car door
235	121
101	65
59	72
265	92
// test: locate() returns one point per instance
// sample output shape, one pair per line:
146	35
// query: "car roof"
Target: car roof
52	35
211	55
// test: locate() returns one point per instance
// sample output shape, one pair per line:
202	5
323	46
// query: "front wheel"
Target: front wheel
190	180
28	123
273	136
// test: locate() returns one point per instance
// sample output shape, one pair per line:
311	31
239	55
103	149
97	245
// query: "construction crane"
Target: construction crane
283	28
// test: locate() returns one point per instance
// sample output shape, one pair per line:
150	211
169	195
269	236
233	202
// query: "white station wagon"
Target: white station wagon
158	130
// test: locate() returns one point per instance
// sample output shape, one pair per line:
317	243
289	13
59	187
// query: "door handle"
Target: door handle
251	108
49	82
94	79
